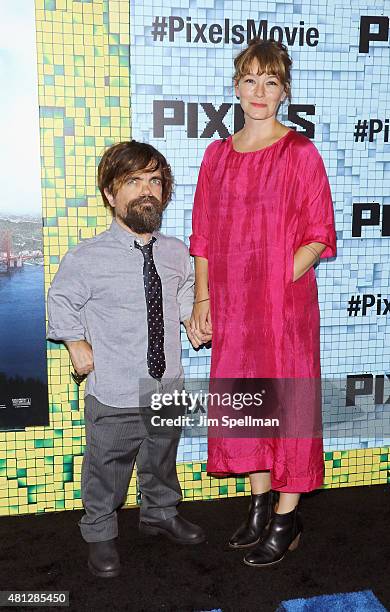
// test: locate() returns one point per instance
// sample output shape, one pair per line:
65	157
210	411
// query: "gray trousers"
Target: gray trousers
116	438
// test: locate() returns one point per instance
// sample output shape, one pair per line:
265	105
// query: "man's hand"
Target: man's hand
81	355
195	337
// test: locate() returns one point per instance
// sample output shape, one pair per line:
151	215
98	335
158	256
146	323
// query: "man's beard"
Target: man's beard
144	215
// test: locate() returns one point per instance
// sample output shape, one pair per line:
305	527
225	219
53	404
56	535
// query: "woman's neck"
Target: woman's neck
256	130
257	134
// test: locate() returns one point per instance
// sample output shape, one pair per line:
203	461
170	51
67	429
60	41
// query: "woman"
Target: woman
262	218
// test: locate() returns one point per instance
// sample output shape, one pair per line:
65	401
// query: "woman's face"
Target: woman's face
260	95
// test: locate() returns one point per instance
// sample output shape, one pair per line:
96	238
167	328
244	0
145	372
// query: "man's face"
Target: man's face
138	202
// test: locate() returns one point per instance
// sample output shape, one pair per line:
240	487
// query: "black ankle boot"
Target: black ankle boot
282	534
250	532
103	560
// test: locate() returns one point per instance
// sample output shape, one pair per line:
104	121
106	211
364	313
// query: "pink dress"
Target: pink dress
252	211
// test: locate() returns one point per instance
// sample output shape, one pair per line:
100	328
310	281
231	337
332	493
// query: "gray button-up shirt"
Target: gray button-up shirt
98	295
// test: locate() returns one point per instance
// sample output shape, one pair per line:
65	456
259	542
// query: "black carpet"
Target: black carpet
345	547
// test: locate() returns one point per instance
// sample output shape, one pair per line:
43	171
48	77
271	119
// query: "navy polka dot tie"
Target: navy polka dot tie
154	306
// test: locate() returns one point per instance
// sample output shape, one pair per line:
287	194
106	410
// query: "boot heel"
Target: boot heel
294	543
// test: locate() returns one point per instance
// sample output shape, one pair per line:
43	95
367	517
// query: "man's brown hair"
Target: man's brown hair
267	56
122	160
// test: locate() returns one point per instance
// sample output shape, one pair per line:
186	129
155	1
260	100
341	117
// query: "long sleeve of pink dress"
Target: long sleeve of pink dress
252	211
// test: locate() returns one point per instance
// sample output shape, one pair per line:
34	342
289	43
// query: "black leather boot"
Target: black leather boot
282	534
176	528
103	560
250	532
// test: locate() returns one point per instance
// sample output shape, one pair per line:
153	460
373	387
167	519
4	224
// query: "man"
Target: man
116	302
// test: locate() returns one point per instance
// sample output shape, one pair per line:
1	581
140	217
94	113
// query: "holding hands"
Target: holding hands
199	327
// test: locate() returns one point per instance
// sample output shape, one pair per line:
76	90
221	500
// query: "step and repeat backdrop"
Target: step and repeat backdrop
114	70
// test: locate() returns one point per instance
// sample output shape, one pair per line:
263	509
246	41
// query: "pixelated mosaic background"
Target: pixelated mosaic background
99	73
344	85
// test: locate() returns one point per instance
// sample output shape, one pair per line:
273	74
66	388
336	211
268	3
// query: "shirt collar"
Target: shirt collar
127	238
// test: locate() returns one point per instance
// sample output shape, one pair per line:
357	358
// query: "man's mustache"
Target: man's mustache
144	200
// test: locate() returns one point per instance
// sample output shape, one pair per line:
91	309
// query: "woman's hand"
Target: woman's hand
194	337
200	321
305	257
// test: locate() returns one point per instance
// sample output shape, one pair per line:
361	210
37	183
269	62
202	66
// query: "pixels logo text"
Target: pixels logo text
368	129
186	114
367	384
361	305
368	214
374	28
174	27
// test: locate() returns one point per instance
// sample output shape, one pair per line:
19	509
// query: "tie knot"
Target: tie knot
146	249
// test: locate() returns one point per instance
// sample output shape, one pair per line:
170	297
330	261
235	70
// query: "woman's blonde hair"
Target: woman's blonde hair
267	56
